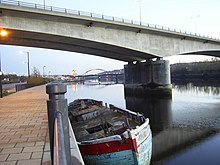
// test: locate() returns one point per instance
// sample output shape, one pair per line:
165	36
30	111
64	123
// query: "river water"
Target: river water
185	128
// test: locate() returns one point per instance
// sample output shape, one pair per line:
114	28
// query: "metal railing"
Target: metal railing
103	17
59	155
58	125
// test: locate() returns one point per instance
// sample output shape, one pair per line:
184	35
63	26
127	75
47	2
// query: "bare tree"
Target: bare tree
35	72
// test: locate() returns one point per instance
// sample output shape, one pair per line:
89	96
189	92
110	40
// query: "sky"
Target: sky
201	16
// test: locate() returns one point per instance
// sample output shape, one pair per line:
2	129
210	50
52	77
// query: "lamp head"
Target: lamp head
3	33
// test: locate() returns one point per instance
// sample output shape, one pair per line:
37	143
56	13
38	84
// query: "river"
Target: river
185	128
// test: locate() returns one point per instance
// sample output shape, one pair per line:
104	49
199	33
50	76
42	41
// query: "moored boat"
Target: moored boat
110	135
92	82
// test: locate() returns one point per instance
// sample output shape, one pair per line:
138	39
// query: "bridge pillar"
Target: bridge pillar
150	78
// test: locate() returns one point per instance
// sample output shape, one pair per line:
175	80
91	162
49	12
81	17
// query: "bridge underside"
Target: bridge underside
56	42
214	53
40	40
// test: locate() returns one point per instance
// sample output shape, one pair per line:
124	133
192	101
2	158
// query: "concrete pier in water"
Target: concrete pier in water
150	78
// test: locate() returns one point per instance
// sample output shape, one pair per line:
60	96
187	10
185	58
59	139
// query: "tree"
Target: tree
35	72
36	78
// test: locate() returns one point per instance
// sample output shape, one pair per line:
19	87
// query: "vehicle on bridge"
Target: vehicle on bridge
110	135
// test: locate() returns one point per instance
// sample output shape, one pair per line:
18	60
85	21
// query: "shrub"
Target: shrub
35	81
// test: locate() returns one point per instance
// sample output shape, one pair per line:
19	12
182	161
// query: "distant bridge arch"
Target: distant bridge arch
103	70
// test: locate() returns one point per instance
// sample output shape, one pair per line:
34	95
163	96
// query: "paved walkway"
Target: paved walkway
24	128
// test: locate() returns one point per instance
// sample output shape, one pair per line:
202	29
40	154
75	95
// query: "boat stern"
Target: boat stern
142	143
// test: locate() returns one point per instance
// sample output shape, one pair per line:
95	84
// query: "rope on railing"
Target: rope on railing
99	16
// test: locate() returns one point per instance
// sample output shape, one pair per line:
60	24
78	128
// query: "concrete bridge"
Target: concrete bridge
41	26
62	29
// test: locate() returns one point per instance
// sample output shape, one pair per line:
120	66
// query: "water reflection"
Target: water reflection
112	94
210	89
168	138
74	87
157	110
196	89
203	154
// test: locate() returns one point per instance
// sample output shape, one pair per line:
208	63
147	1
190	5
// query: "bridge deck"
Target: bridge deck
24	128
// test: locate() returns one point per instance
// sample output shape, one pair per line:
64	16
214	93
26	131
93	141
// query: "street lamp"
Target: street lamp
1	73
195	21
1	93
3	33
43	70
28	61
140	1
44	3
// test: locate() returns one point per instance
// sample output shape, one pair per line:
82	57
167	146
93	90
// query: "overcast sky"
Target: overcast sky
201	16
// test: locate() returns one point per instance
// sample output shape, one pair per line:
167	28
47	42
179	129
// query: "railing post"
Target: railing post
58	103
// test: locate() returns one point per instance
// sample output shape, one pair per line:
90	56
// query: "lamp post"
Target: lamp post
43	70
1	73
28	61
140	1
3	34
195	21
49	73
1	93
44	4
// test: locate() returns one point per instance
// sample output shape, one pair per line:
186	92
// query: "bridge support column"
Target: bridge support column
150	78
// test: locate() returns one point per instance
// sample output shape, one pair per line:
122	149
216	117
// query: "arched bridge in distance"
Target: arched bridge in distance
104	74
91	70
41	26
88	73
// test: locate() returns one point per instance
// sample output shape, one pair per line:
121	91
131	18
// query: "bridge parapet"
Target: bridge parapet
105	18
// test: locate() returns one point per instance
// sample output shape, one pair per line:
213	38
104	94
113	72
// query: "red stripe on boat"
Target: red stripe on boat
108	147
135	147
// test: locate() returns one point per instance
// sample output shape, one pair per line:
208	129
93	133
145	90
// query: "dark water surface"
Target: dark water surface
185	128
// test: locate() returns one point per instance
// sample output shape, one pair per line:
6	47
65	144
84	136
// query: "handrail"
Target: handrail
59	146
58	124
103	17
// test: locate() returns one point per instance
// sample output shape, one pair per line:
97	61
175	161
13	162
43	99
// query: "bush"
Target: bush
6	93
35	81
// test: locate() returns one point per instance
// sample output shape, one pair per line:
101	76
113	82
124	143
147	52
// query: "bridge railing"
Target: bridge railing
104	17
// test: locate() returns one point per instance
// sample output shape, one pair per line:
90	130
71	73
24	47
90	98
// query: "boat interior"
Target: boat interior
92	120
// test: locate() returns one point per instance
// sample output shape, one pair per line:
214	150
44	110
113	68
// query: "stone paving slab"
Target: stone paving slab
24	128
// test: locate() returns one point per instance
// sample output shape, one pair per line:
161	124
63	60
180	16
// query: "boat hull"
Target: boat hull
135	150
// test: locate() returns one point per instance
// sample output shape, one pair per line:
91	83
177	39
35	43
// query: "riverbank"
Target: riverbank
196	70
